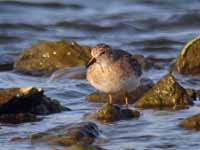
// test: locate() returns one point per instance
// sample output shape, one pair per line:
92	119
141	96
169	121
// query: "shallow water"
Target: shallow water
150	27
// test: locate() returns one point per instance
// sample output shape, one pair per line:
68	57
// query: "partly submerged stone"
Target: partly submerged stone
191	123
23	104
85	133
188	60
97	96
109	113
47	56
18	118
166	93
192	93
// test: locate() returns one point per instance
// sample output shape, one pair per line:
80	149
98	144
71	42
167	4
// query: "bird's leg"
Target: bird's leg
110	98
126	101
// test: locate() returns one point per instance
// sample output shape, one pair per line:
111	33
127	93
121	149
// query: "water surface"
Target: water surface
154	28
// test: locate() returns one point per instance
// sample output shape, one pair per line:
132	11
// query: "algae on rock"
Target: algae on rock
188	60
82	133
191	123
46	57
166	93
109	113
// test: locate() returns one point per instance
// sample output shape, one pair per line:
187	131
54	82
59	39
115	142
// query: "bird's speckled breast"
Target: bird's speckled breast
112	77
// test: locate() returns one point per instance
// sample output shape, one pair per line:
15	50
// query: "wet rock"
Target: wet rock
6	66
188	60
84	147
192	93
166	93
45	57
109	113
97	96
18	118
191	123
30	99
85	133
22	104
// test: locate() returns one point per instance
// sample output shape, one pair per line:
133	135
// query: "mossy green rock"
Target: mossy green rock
110	113
27	100
188	60
166	93
97	96
84	133
47	56
191	123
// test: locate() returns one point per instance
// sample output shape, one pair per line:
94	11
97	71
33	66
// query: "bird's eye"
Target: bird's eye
103	52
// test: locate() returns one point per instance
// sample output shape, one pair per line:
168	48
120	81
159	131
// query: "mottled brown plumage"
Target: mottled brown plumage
113	71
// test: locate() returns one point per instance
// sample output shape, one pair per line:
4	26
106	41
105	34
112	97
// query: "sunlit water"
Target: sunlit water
150	27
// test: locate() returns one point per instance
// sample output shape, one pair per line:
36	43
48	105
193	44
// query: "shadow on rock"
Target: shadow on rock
23	104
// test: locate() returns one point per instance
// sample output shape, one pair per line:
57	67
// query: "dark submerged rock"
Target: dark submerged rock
84	133
188	60
18	118
6	66
192	93
109	113
97	96
46	57
165	94
27	100
191	123
19	105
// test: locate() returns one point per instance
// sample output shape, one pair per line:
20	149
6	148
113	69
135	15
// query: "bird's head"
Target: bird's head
97	51
100	49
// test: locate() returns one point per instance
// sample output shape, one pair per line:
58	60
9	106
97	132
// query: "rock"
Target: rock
165	94
19	105
84	133
27	100
18	118
97	96
46	57
192	93
191	123
109	113
6	66
84	147
188	60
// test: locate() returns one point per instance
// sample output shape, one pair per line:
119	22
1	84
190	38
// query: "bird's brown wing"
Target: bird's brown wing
127	62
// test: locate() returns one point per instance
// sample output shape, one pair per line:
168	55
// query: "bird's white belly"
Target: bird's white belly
112	84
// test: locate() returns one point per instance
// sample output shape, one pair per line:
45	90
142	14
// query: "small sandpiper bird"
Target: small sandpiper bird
113	71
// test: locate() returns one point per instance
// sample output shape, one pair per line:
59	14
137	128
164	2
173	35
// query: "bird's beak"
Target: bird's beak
91	61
